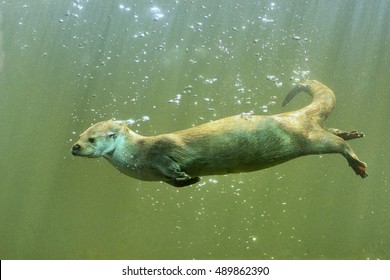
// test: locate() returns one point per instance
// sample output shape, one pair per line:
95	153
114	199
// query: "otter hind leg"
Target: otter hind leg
333	142
346	135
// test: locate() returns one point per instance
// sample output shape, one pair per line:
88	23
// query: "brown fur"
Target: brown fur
230	145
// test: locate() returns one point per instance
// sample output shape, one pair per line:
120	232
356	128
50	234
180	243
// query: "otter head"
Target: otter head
99	139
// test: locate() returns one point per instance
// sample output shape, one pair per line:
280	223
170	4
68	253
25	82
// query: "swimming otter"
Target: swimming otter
229	145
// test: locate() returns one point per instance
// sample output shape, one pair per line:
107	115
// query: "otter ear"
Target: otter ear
126	123
129	122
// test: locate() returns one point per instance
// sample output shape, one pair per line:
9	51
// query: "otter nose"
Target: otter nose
76	148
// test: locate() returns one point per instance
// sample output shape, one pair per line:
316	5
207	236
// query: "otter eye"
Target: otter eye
91	140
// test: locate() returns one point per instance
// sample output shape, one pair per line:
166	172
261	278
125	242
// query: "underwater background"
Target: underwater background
169	65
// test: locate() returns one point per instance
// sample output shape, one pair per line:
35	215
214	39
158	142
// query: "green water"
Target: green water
170	65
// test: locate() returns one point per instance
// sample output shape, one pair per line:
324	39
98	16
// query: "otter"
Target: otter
240	143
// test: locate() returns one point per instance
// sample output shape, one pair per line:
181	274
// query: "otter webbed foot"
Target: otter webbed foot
358	166
346	135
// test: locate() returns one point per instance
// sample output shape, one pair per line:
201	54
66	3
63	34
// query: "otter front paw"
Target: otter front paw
174	174
183	183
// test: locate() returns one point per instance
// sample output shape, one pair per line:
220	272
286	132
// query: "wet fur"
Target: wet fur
234	144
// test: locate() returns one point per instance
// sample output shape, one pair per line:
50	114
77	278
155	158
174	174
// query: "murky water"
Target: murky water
169	65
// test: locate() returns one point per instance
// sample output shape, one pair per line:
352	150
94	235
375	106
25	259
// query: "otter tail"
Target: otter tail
323	99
